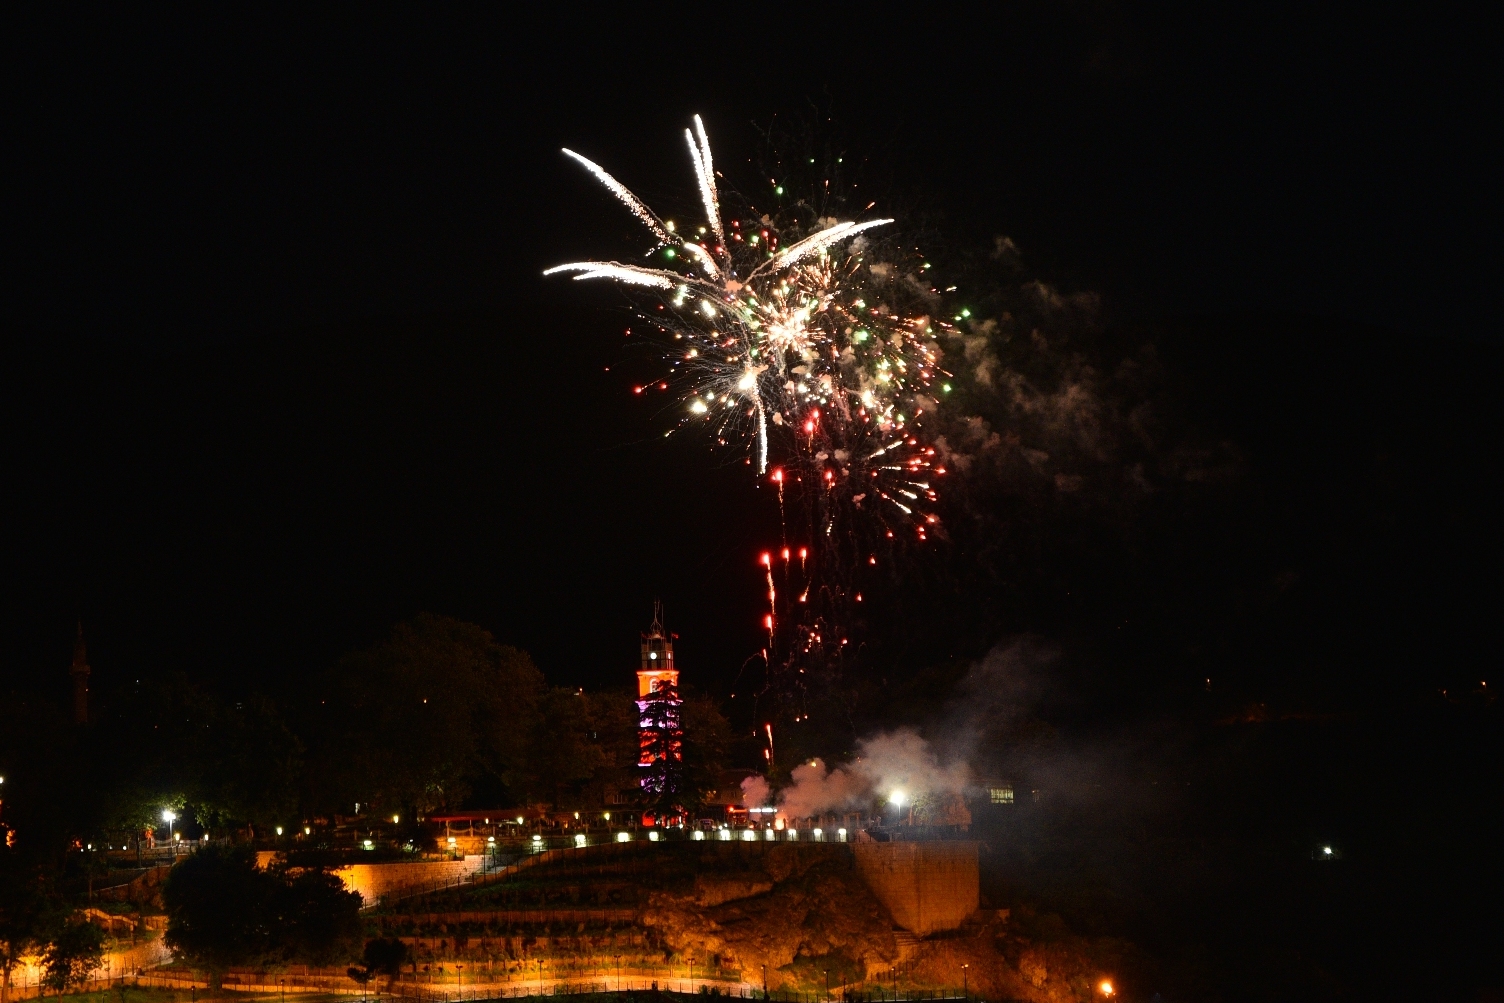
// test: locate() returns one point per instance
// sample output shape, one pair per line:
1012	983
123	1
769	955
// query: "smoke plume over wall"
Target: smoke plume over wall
901	767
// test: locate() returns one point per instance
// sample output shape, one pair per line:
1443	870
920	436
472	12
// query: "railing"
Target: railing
607	989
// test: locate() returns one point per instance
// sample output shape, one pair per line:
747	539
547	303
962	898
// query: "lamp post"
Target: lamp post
691	974
618	973
827	983
965	987
169	816
765	982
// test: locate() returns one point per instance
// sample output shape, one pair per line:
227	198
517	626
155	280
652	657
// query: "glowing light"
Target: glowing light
396	819
896	799
1106	988
699	407
624	837
279	830
653	836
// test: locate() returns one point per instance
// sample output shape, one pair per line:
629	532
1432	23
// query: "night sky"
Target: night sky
280	368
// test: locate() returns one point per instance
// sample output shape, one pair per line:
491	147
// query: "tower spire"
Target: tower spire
80	673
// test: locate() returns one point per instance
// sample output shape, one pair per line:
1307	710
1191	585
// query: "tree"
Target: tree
416	721
318	921
562	753
382	956
665	791
26	909
72	953
218	910
707	739
223	912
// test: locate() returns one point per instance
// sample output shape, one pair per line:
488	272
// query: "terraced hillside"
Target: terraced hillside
650	910
732	914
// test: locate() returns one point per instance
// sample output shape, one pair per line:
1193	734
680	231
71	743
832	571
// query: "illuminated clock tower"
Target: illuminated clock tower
658	704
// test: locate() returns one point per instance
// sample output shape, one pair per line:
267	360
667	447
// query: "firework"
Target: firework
795	339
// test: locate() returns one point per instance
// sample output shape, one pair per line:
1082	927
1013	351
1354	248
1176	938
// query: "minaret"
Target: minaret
80	674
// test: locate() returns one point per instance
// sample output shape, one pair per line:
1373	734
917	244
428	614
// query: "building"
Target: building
660	733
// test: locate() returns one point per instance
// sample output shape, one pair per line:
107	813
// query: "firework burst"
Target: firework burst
796	340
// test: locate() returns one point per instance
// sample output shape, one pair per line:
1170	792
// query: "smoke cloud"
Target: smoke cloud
903	766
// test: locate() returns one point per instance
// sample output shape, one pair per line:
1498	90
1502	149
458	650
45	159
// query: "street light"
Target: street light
691	975
618	973
1106	988
169	816
965	987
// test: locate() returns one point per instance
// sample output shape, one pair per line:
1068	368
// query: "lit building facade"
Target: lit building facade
660	733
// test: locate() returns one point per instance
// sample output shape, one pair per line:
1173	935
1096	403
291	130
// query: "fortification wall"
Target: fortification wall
927	886
371	881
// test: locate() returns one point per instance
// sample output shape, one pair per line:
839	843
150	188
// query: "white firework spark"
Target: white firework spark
785	335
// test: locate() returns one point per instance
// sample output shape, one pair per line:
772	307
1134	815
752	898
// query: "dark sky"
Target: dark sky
281	368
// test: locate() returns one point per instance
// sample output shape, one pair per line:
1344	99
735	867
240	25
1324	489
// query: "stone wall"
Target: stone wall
927	886
371	881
